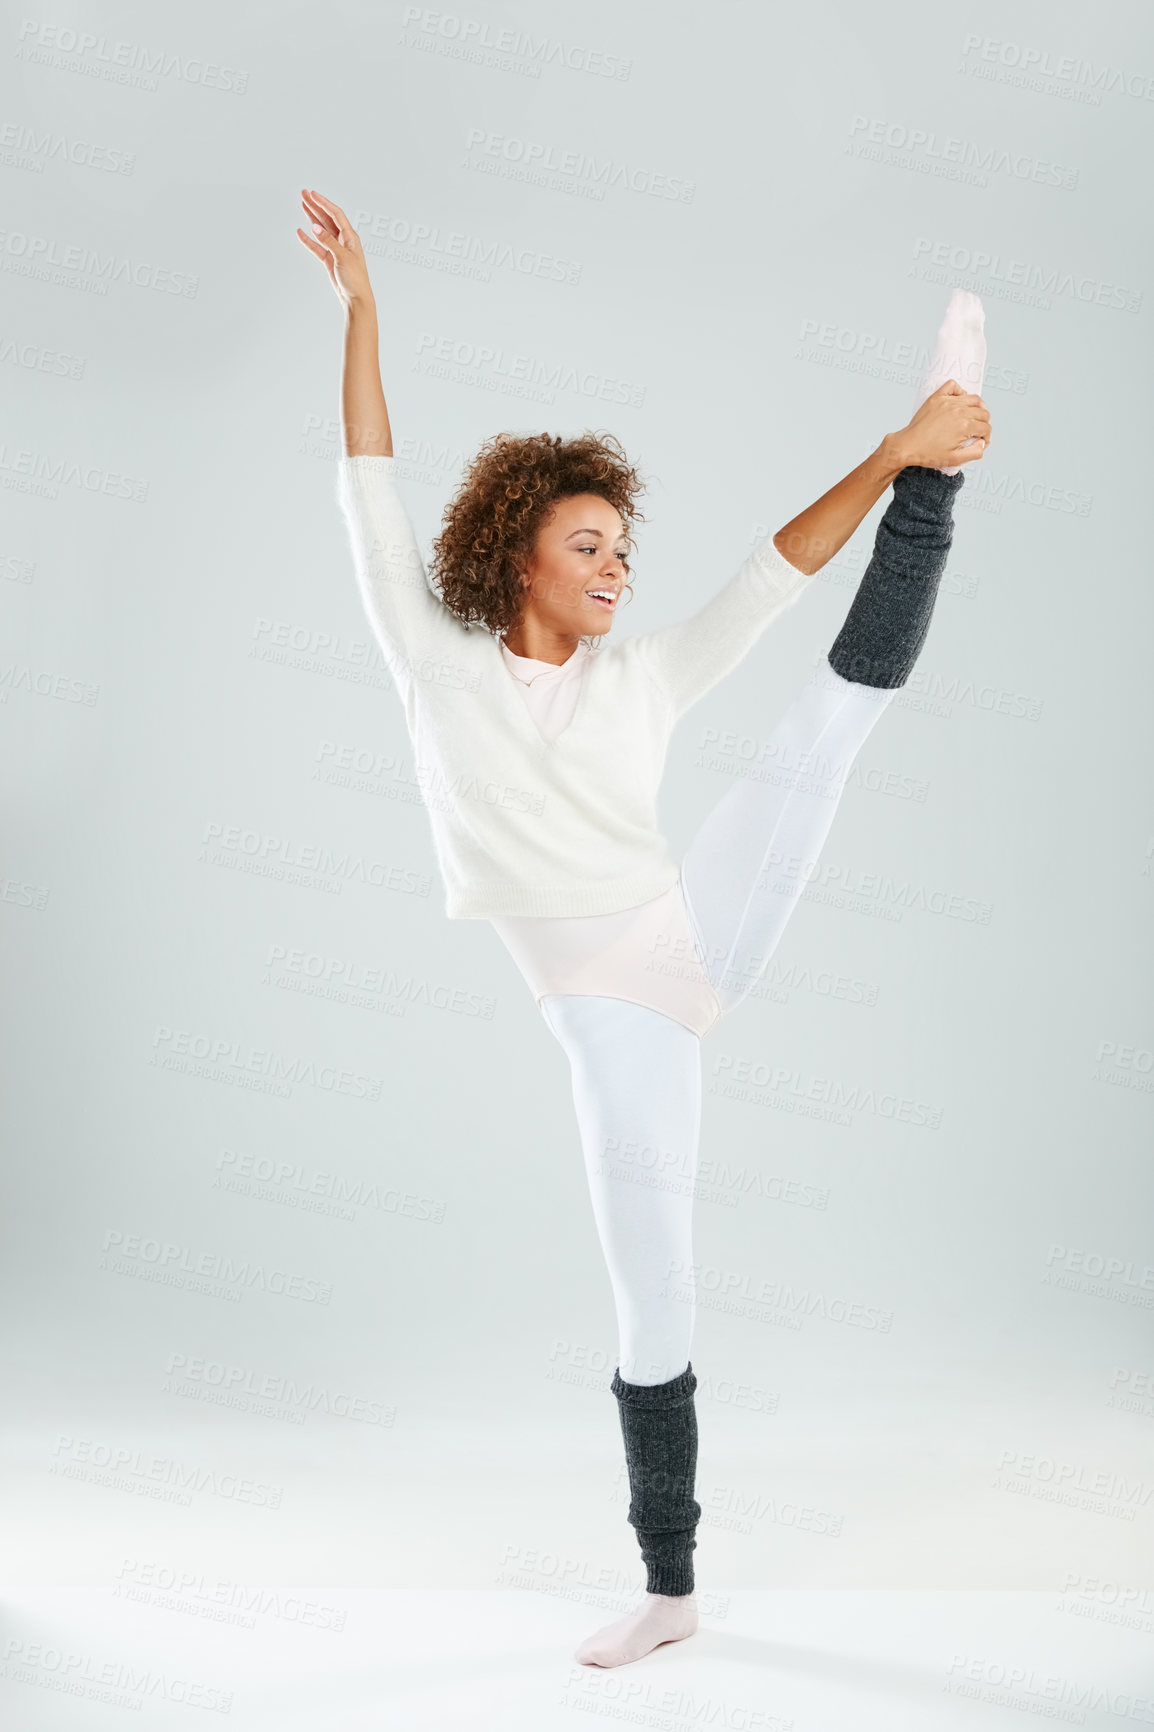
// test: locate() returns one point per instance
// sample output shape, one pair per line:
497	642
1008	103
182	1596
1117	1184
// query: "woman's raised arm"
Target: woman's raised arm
688	658
409	620
334	240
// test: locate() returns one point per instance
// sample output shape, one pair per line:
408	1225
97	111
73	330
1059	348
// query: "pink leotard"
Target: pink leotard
648	954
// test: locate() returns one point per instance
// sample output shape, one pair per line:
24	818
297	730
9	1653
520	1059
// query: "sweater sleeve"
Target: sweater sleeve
408	618
689	658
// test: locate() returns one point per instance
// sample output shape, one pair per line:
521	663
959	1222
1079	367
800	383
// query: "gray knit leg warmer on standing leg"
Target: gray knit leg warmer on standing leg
659	1425
890	616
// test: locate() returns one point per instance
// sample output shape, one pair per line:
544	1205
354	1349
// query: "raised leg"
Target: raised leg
747	867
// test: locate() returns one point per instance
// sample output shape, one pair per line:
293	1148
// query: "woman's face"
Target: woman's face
578	570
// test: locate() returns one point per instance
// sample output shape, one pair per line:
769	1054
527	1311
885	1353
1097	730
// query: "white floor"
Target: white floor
776	1661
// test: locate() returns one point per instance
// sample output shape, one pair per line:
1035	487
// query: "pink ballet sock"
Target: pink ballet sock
659	1618
960	351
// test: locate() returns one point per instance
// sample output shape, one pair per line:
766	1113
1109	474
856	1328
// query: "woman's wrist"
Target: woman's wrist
892	456
361	308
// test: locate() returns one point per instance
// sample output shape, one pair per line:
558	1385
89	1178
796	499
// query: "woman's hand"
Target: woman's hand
936	437
336	243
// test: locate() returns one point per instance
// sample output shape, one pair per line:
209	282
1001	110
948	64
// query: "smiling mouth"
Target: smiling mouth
605	598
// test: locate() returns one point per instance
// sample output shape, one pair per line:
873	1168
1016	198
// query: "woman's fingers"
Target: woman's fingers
318	216
975	419
321	223
967	449
972	413
335	214
975	404
318	229
969	453
324	239
959	396
327	204
323	245
319	252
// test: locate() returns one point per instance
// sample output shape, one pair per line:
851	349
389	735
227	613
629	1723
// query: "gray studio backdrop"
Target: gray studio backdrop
302	1280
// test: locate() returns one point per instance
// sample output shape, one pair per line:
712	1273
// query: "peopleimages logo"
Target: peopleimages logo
117	1683
273	1394
125	1468
508	49
456	251
1020	278
31	254
988	56
172	1588
194	1268
135	63
494	368
25	146
917	147
1049	1695
569	170
224	1059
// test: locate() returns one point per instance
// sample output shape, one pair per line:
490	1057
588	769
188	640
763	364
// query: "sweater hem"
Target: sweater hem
699	1028
528	901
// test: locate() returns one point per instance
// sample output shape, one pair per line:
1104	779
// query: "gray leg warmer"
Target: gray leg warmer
659	1425
890	616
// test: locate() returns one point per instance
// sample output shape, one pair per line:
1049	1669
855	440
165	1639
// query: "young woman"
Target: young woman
541	751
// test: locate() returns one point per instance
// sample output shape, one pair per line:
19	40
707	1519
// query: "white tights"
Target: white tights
637	1073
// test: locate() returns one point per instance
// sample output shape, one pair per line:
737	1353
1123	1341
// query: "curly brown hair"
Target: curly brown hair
490	528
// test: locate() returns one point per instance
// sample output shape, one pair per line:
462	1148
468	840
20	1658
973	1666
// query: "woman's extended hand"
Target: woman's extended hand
937	435
336	243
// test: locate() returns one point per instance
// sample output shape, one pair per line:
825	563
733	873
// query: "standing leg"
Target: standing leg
748	865
637	1090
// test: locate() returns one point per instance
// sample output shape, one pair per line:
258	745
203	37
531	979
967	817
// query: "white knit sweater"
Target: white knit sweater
521	825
